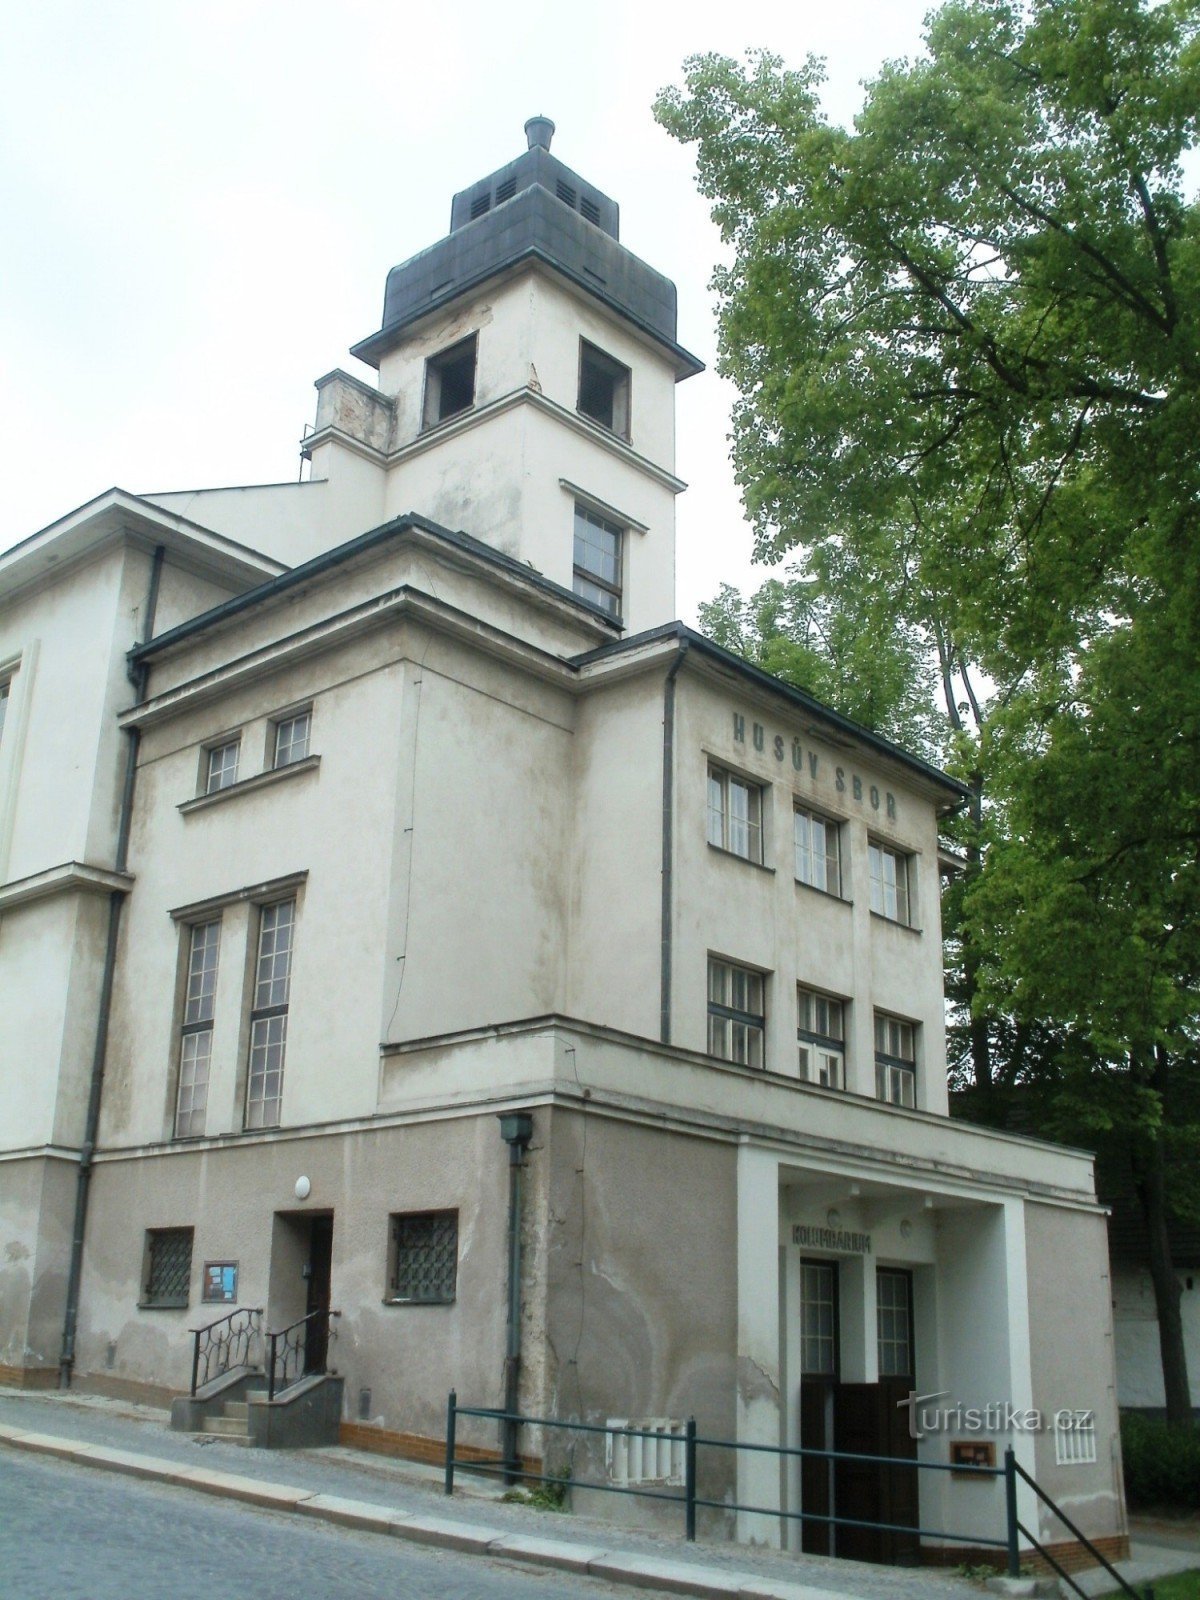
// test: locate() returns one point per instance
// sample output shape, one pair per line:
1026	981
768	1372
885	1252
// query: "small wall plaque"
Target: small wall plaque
972	1453
220	1282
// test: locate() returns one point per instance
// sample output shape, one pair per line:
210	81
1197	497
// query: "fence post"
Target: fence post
195	1362
689	1478
271	1368
1010	1512
451	1431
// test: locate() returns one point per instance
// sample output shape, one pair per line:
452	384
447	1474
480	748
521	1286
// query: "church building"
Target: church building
381	862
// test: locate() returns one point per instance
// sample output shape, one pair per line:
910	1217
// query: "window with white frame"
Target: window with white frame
1074	1438
895	1060
818	851
648	1450
603	389
736	1017
450	382
221	765
821	1032
195	1043
894	1322
598	553
892	885
818	1319
269	1014
735	808
291	738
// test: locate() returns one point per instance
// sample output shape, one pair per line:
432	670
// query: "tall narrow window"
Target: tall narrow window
268	1016
221	765
895	1060
818	860
603	389
891	882
821	1032
291	738
4	692
734	814
195	1045
894	1317
818	1319
450	382
597	560
736	1019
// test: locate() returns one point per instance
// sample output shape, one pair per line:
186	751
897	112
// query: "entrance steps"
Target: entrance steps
232	1422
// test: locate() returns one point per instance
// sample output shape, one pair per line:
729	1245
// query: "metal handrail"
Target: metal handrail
293	1346
208	1345
1017	1470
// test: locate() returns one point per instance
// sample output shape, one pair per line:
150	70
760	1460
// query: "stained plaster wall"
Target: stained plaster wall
37	1207
761	917
408	1356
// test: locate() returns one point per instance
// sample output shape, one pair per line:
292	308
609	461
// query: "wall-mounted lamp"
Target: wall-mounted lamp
833	1217
303	1188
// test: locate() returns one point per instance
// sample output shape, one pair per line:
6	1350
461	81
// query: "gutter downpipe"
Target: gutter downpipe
668	843
516	1129
137	676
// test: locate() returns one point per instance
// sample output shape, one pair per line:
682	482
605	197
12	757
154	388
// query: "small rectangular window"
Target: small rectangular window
167	1269
736	1015
735	814
424	1257
821	1034
291	738
892	874
894	1320
195	1044
603	389
895	1060
818	853
597	575
269	1014
818	1319
450	382
221	765
1074	1438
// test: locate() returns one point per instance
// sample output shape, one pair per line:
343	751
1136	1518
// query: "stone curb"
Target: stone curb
642	1572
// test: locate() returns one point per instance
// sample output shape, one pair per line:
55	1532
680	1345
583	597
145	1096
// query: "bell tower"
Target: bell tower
527	364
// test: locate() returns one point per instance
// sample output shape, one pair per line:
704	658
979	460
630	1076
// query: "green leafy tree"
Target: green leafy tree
966	341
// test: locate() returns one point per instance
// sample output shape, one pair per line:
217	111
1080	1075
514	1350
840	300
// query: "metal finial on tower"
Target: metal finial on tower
539	131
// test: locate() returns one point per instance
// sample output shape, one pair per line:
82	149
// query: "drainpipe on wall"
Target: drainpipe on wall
137	676
516	1129
668	822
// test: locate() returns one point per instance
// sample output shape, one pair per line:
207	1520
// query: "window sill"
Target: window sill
732	855
613	433
826	894
261	780
892	922
163	1305
393	1300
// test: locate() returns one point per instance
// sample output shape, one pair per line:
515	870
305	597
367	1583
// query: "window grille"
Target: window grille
652	1454
425	1257
168	1266
1075	1439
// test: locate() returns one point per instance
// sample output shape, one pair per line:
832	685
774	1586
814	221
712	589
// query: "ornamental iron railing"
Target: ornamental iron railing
230	1342
299	1351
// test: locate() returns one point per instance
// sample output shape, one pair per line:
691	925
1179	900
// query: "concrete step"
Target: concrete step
237	1409
229	1426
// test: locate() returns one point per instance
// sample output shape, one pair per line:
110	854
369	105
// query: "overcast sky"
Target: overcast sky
199	205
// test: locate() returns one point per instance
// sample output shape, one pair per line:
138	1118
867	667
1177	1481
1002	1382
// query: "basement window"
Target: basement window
649	1450
450	382
423	1258
167	1268
603	389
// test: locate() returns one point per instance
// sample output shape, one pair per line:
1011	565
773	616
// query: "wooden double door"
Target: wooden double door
860	1419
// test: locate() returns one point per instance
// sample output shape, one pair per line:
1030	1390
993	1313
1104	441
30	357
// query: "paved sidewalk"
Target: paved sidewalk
405	1500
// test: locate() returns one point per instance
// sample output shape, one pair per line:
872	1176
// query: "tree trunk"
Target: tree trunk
1150	1169
981	1046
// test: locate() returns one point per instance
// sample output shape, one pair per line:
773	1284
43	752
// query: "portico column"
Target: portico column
758	1369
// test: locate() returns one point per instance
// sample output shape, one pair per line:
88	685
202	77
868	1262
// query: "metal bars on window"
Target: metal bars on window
268	1016
425	1257
168	1266
195	1045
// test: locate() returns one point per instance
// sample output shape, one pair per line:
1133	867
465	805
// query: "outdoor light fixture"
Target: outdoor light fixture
833	1216
303	1188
